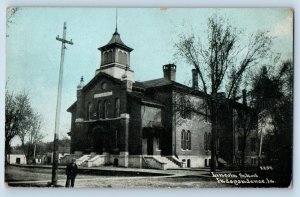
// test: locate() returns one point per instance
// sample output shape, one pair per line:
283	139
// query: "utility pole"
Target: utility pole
58	105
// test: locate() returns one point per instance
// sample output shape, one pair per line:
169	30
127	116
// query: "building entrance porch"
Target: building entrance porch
151	141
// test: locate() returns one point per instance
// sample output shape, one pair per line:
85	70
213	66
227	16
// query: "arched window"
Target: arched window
185	108
104	109
183	140
122	56
117	107
205	141
108	56
188	140
99	110
89	111
188	110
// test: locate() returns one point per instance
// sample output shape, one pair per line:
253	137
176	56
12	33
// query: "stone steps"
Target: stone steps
168	163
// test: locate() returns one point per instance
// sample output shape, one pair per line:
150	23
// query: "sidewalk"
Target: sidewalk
121	171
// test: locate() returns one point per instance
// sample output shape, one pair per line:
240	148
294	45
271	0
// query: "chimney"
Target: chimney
195	79
170	72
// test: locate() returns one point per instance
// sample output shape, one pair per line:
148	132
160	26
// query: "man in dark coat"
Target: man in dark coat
71	172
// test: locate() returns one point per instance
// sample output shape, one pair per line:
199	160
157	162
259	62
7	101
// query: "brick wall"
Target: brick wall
135	127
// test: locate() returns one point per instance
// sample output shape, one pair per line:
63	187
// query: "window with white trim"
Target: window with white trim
117	107
89	110
183	139
188	140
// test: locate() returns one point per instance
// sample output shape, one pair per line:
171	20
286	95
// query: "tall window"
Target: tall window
188	140
183	139
122	57
205	141
253	147
116	139
99	110
182	112
117	107
104	109
186	110
89	111
209	141
206	117
108	56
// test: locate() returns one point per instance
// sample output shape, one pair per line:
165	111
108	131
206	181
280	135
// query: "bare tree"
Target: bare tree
246	123
221	64
19	119
17	112
31	136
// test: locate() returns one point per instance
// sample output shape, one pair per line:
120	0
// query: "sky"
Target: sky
33	53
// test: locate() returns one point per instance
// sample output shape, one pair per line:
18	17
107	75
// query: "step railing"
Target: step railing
97	160
82	159
175	161
145	163
154	163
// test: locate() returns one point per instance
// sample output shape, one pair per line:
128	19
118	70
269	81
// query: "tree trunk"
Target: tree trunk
243	154
7	148
213	137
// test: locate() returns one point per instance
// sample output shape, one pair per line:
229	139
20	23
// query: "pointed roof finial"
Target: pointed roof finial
81	84
116	19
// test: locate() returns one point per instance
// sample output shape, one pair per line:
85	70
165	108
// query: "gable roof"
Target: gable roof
15	151
97	77
70	109
94	80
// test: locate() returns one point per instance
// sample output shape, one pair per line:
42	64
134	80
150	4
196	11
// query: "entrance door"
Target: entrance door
18	160
98	141
150	146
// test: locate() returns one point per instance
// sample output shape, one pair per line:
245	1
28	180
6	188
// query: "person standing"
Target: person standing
71	172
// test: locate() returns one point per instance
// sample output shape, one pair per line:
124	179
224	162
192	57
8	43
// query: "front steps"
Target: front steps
159	162
146	161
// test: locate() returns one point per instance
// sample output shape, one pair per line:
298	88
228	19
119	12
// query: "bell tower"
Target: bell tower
115	58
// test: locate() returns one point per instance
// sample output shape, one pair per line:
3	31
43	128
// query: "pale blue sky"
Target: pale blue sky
33	54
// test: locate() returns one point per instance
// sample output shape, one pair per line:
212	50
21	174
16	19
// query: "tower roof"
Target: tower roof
115	41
